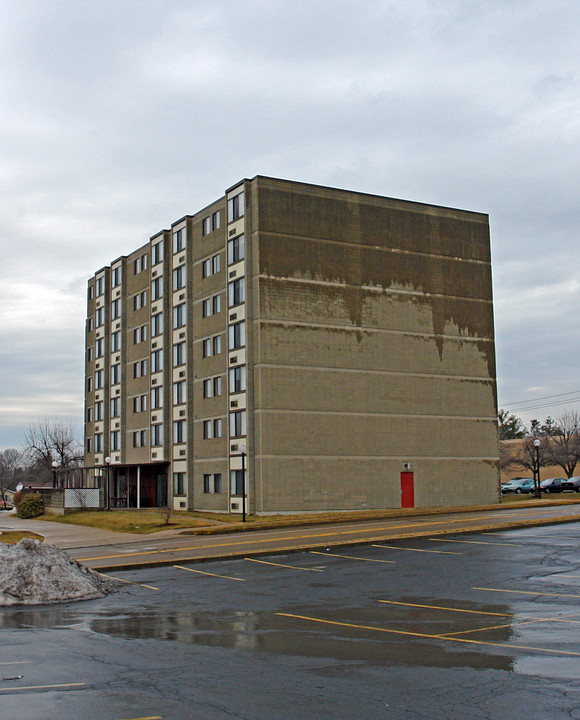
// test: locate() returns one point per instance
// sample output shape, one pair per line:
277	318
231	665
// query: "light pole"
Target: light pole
243	453
54	467
107	489
537	468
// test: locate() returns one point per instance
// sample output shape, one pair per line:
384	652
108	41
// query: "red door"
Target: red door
407	490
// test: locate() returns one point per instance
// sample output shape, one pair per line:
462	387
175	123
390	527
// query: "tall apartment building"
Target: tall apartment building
305	347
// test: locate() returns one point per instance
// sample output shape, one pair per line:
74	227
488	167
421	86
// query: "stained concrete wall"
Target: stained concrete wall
372	347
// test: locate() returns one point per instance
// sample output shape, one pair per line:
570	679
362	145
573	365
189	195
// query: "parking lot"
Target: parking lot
468	626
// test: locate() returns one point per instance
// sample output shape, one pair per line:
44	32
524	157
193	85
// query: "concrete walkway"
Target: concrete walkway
106	550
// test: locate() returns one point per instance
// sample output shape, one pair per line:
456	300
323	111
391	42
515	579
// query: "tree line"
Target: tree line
45	442
559	442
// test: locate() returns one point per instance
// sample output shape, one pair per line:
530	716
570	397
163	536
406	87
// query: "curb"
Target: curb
510	525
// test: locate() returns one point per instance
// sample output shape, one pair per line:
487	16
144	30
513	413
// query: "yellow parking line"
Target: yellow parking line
517	623
41	687
526	592
239	543
130	582
352	557
149	717
438	607
431	637
292	567
201	572
397	547
471	542
16	662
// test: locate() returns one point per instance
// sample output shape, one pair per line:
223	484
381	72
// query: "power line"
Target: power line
545	405
545	397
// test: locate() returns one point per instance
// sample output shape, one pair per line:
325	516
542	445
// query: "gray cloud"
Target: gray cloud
116	118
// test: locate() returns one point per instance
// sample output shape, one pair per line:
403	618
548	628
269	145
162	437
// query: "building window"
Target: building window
99	316
156	435
99	379
115	374
179	278
89	445
89	354
157	361
206	348
207	388
179	316
140	300
236	207
217	344
212	222
89	384
217	386
179	483
178	354
157	288
116	309
140	438
211	266
216	304
217	483
238	379
114	440
238	423
236	292
179	396
179	240
139	403
116	341
99	410
100	286
140	264
156	324
99	347
157	398
98	442
90	324
89	414
217	428
206	308
179	429
116	276
207	483
115	407
237	484
140	368
236	249
237	335
207	430
140	334
157	252
91	292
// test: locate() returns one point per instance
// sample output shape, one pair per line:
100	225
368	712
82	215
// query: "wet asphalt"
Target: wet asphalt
481	625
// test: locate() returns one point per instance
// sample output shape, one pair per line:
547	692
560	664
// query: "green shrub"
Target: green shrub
31	506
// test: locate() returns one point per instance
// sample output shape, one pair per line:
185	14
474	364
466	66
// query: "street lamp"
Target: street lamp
243	451
54	467
107	488
537	468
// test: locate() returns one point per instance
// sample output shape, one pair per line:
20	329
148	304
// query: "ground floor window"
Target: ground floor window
179	483
237	485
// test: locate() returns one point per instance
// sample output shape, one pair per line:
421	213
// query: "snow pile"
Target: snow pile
32	572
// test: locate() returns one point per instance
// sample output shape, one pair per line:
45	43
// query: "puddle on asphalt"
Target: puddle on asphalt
268	632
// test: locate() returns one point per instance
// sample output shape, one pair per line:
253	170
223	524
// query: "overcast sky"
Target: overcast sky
119	117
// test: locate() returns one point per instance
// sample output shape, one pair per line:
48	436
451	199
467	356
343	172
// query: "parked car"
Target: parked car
553	485
572	483
518	486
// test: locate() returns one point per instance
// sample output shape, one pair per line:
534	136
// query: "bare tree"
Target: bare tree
529	457
48	441
10	461
564	445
